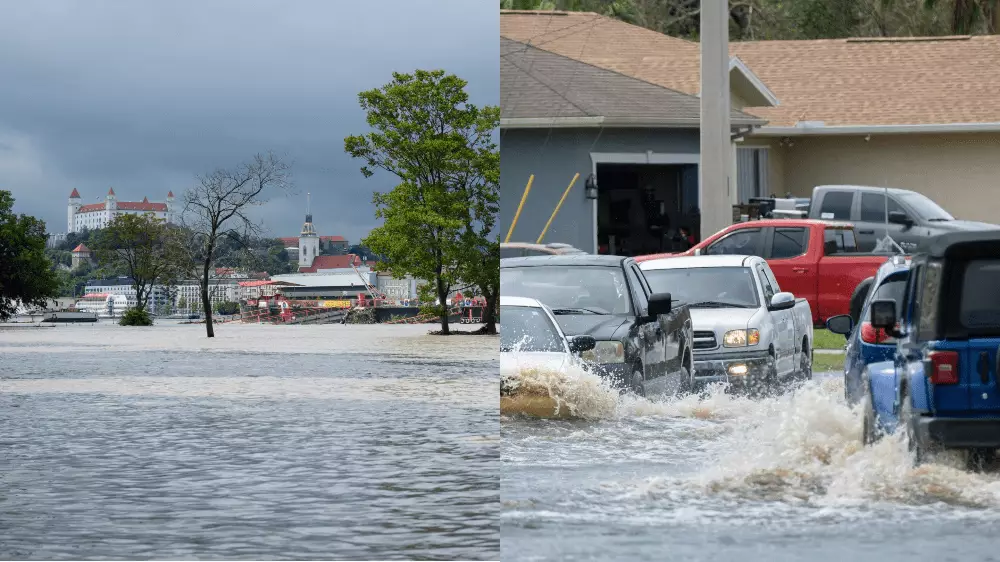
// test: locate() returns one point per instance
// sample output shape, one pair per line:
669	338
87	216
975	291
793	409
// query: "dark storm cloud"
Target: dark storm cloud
143	96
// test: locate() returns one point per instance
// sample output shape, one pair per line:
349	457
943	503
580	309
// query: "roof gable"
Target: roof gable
539	85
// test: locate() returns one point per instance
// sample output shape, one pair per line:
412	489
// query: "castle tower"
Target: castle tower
110	206
170	206
308	239
74	207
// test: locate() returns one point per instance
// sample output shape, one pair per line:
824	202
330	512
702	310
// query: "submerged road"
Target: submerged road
723	478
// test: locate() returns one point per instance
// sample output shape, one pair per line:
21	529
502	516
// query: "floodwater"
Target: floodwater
267	442
724	478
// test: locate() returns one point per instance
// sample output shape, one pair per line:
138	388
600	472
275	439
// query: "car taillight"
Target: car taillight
870	334
943	367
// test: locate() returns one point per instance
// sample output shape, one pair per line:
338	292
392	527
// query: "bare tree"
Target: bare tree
218	208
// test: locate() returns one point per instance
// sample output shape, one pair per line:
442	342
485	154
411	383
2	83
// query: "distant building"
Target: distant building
99	215
159	297
54	240
82	255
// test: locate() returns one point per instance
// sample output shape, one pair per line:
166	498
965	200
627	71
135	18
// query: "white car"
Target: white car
746	330
530	336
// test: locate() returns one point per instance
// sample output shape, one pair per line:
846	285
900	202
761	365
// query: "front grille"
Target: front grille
704	340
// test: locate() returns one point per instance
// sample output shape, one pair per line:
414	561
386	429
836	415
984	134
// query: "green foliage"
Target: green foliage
426	133
798	19
146	250
227	308
136	317
26	274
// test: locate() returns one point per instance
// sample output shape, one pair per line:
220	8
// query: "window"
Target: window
980	300
642	300
765	284
701	287
839	241
873	207
789	242
837	205
926	208
577	289
743	242
528	329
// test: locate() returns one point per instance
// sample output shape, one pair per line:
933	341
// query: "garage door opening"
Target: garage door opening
641	208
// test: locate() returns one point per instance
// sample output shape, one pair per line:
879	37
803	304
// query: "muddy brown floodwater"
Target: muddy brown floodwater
723	478
268	442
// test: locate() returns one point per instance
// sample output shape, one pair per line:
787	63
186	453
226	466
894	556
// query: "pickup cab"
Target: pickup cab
643	342
941	383
815	260
747	332
909	218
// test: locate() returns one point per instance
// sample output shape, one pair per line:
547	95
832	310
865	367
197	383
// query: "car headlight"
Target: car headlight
605	352
741	338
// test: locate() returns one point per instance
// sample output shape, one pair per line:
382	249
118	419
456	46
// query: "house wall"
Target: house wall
553	156
960	172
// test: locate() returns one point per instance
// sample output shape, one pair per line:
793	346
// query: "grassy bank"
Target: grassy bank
825	339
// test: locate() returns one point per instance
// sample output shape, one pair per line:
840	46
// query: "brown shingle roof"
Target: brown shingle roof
537	84
837	81
879	82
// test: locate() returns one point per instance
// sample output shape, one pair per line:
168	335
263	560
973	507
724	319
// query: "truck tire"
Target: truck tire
687	375
858	298
805	371
920	454
637	384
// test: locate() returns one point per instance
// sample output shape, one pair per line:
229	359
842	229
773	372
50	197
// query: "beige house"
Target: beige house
913	113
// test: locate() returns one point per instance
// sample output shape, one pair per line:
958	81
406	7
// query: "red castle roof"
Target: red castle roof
111	191
75	194
170	194
81	248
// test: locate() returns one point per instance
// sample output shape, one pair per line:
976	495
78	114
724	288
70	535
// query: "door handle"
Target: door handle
866	232
800	269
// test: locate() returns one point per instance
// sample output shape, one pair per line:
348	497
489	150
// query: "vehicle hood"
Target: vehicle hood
721	318
511	363
958	225
601	326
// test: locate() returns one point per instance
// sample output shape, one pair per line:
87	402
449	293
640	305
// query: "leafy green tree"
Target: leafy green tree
26	275
423	131
143	248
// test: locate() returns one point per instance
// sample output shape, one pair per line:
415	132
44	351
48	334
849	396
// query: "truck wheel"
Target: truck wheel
687	377
805	372
637	384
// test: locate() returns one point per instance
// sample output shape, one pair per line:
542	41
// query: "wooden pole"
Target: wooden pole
517	215
561	199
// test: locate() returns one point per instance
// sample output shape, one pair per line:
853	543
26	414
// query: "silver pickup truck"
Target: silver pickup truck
746	331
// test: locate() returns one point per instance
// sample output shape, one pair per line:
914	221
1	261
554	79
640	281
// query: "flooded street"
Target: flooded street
724	478
268	442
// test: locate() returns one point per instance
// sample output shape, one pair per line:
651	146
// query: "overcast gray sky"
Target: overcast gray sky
145	95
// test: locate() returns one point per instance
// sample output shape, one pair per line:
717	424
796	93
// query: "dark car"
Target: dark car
911	219
643	342
524	249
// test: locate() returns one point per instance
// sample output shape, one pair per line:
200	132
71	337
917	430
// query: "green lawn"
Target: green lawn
828	362
824	339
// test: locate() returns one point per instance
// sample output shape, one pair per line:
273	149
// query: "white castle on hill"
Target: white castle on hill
98	215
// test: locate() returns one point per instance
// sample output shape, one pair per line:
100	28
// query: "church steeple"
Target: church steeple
308	239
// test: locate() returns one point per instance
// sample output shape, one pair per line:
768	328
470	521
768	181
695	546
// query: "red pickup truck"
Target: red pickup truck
815	260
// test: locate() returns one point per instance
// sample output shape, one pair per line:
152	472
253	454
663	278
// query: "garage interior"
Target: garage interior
642	207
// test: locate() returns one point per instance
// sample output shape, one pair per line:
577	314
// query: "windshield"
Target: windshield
528	329
980	299
890	290
570	289
705	287
926	208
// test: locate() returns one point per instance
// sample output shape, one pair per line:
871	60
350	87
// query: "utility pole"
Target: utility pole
716	149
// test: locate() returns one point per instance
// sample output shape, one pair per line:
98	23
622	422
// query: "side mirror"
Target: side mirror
579	344
782	301
842	324
883	313
659	304
899	217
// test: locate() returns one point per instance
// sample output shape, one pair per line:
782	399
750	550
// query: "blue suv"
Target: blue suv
865	343
941	382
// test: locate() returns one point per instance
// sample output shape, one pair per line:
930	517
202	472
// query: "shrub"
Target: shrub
136	317
227	308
